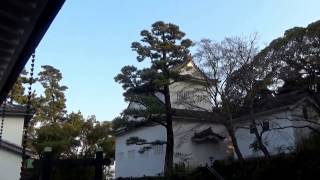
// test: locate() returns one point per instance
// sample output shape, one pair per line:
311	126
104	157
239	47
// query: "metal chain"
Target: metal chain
27	117
4	104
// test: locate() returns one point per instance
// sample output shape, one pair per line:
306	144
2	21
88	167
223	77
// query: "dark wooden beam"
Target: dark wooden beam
42	24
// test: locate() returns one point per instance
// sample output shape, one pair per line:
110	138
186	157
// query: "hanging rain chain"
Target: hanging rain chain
27	117
4	104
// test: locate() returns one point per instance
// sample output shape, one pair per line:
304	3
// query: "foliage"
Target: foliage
119	122
235	79
222	62
66	133
96	134
62	138
76	137
73	173
51	106
296	56
302	165
255	147
164	45
63	172
182	171
310	144
17	93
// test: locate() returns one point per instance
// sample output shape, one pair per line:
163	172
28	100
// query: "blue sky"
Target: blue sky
89	41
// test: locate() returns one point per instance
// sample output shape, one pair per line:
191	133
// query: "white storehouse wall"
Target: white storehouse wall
276	141
298	120
10	162
12	129
9	165
131	163
151	163
199	153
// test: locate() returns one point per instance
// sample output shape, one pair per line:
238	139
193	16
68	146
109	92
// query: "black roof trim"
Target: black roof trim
13	147
15	110
40	27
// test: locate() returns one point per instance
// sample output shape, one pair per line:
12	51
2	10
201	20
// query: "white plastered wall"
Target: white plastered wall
276	141
151	163
12	130
9	165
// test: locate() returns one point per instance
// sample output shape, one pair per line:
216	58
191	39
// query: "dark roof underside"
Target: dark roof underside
23	23
12	147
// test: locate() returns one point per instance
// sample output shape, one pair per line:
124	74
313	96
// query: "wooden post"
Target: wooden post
99	164
46	164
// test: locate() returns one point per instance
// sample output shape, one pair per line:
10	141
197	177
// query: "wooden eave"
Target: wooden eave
23	23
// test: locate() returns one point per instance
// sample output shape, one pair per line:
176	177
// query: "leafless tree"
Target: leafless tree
234	79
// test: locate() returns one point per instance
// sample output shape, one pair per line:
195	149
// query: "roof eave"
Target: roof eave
44	20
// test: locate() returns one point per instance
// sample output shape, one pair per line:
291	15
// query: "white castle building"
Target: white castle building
199	141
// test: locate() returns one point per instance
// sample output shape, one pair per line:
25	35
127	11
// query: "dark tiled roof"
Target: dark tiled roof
279	102
12	147
13	109
133	126
283	100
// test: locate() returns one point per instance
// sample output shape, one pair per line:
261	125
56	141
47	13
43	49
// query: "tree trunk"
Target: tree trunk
262	147
168	165
234	142
169	152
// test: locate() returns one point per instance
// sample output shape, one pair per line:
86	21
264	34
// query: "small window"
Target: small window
183	95
131	154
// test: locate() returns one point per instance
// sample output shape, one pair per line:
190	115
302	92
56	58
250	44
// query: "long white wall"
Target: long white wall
298	120
9	165
151	162
12	130
129	162
275	140
199	153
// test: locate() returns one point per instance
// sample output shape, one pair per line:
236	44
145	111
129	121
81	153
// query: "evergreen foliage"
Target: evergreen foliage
165	47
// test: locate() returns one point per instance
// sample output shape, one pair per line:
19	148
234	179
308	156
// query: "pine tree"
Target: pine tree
164	45
51	106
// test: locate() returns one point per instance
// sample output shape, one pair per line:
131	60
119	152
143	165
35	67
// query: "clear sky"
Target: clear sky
89	41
